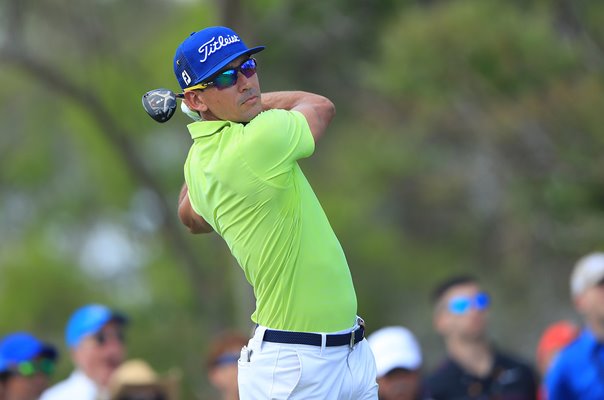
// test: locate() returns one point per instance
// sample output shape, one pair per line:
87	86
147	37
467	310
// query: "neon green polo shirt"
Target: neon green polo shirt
245	181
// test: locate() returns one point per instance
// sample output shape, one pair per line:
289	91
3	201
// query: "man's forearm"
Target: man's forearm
318	110
286	100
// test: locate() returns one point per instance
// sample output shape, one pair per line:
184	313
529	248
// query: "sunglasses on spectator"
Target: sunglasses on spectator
226	359
101	338
30	368
228	78
463	304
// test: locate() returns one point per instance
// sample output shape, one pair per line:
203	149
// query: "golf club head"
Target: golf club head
160	104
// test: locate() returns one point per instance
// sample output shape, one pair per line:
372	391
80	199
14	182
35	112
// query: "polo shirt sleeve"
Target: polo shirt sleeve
275	140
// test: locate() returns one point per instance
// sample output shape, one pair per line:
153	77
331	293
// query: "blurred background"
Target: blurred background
468	139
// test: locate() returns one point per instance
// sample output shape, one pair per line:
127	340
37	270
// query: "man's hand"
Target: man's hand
188	216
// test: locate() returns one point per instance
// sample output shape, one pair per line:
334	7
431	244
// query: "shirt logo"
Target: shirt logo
216	43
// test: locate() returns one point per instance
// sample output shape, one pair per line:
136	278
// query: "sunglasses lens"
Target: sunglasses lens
227	359
29	368
47	366
226	79
229	77
482	301
102	338
248	68
26	369
460	305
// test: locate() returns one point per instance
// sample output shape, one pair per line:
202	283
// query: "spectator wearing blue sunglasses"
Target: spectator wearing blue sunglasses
473	368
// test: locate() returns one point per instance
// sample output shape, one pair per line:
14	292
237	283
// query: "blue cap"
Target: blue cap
22	346
206	52
89	320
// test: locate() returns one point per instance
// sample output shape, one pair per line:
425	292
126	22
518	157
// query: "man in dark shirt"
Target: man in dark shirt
473	368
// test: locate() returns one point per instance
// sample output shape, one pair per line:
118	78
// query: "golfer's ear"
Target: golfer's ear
194	101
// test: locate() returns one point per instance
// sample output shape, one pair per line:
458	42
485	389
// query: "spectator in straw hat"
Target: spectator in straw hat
578	371
26	365
136	380
398	359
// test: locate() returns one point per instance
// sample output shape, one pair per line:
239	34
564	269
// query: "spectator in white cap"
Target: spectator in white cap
578	370
398	359
95	337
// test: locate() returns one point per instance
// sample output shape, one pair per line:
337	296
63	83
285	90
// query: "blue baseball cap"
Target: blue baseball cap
206	52
22	346
89	320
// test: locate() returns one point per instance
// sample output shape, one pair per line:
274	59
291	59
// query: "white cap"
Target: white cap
588	271
394	347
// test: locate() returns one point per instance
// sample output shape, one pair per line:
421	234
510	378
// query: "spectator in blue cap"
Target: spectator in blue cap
95	337
26	364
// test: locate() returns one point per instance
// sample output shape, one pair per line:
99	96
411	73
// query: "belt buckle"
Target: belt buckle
352	335
360	325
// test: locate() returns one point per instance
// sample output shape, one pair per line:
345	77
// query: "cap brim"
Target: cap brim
49	351
225	62
390	365
119	318
93	325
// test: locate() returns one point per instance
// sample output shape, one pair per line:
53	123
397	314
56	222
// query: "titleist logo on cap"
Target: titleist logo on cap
215	44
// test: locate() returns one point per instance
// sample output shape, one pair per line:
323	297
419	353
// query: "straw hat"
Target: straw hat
136	373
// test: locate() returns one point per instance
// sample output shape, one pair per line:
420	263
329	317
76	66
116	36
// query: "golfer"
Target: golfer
243	181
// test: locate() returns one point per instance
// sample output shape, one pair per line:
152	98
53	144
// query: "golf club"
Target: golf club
160	103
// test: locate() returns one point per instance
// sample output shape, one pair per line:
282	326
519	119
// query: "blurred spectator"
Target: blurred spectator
26	365
578	371
555	337
95	337
474	368
222	363
136	380
398	359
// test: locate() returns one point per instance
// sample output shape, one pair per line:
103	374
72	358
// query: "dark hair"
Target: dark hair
4	376
447	284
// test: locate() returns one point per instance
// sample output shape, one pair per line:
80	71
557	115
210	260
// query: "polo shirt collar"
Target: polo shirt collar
207	128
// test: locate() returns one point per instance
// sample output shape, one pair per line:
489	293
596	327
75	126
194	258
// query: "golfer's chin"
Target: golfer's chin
251	108
249	113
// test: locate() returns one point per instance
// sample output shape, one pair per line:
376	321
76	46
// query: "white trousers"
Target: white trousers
278	371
